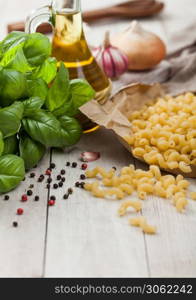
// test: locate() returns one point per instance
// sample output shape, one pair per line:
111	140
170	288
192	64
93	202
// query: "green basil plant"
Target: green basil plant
38	105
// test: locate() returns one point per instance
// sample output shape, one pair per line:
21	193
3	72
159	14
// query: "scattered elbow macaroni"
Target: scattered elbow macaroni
142	223
164	133
145	183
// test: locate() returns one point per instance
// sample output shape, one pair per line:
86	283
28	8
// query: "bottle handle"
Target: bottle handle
41	15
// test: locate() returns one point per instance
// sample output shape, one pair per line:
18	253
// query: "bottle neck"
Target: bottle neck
61	6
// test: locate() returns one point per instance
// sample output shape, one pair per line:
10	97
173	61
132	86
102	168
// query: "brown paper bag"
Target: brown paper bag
114	113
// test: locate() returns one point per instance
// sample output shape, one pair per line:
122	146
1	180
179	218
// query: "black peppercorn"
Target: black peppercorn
58	177
83	177
74	165
31	186
77	184
63	179
66	196
62	172
60	184
68	164
82	184
32	175
15	224
49	180
52	198
70	191
6	197
52	166
55	186
29	193
36	198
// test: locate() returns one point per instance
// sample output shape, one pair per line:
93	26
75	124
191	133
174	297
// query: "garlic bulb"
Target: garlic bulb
111	59
143	49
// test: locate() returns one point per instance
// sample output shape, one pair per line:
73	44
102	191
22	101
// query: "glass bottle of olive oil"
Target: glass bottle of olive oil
69	45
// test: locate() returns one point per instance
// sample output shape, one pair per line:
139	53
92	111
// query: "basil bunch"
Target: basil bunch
38	103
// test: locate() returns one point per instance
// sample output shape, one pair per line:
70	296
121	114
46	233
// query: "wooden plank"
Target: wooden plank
86	237
22	248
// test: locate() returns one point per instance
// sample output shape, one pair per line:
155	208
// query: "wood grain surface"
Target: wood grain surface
83	236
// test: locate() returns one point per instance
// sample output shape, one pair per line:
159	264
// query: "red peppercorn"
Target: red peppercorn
84	166
24	198
48	172
51	202
20	211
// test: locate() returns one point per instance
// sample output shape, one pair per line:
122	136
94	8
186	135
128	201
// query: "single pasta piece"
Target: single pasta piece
124	206
115	192
181	204
127	188
193	195
142	223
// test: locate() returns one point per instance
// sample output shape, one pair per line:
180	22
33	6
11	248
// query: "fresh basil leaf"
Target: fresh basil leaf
10	119
37	48
32	105
43	127
13	86
1	143
47	71
12	172
31	151
10	145
71	130
16	61
37	88
80	93
59	91
12	40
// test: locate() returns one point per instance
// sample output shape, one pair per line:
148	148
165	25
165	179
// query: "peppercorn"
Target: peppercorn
58	177
36	198
66	196
48	172
51	202
82	184
82	176
15	224
77	184
60	184
62	172
84	166
74	165
24	198
20	211
63	179
52	198
6	197
32	175
49	180
70	191
52	166
31	186
55	186
68	164
29	193
24	179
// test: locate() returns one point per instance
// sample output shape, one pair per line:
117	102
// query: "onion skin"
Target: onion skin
143	49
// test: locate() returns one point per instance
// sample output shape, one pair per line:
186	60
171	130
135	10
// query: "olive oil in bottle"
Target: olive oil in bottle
70	46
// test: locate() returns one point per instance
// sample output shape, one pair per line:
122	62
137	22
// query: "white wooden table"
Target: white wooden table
83	236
